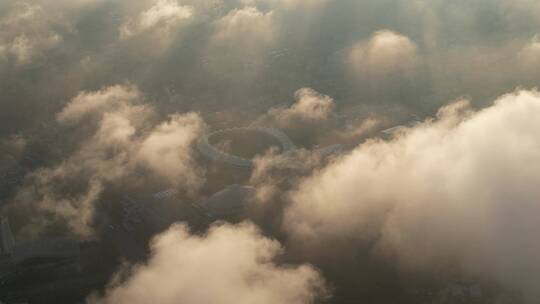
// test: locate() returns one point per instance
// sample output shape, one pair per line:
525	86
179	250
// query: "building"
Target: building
39	268
7	242
205	147
230	202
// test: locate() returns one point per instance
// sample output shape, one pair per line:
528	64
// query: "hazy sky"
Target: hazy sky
120	87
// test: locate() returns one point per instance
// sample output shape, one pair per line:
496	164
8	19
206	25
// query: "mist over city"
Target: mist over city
269	151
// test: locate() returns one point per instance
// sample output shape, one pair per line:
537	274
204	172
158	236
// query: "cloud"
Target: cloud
275	172
161	18
309	105
302	3
229	264
98	102
458	191
386	53
24	49
121	137
240	41
167	149
288	4
232	60
247	26
308	118
27	32
530	54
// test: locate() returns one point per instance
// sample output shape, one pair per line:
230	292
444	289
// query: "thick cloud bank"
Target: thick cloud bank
102	99
230	264
459	190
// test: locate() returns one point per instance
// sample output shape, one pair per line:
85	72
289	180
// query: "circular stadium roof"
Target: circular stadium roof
207	149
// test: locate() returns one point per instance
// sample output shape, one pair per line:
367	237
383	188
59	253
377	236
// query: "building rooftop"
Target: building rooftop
43	249
230	201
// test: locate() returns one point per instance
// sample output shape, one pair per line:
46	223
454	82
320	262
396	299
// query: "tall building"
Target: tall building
6	241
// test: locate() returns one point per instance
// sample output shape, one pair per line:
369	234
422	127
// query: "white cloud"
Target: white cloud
167	149
21	48
118	145
162	18
88	103
287	4
247	26
27	32
230	264
240	43
530	53
309	105
385	54
302	3
462	187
